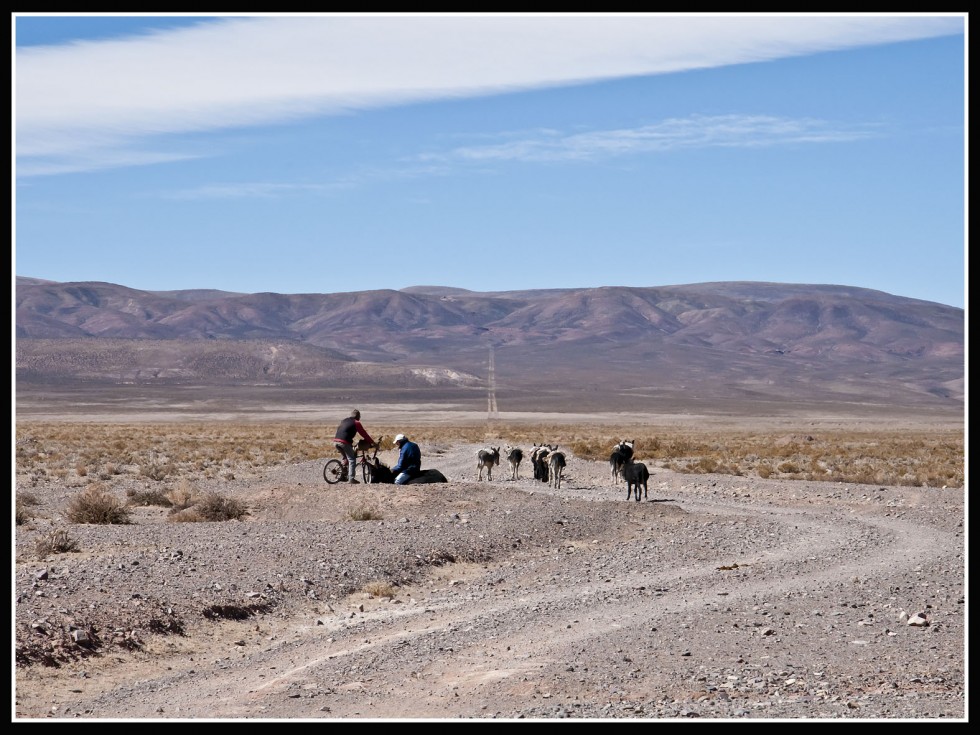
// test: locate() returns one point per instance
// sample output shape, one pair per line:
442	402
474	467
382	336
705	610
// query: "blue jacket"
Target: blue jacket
409	460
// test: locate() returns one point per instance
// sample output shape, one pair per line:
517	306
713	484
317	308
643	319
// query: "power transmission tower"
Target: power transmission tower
491	389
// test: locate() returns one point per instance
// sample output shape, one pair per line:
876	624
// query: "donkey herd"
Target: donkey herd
548	465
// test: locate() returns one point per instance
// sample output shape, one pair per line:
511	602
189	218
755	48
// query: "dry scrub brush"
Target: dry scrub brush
189	507
23	502
364	512
58	541
162	452
95	504
379	588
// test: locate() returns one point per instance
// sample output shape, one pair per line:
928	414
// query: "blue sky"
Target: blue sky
325	153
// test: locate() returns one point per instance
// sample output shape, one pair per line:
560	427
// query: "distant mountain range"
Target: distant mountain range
610	348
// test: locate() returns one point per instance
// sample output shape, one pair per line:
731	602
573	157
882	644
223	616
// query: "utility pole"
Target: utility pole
491	389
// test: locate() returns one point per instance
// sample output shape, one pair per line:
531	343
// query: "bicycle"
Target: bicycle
335	470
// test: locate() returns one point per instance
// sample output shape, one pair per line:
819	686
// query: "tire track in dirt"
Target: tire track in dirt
476	643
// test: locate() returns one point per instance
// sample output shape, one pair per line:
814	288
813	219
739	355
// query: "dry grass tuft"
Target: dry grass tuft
379	588
21	514
217	507
187	515
23	501
211	507
55	542
28	498
158	472
188	451
181	497
364	513
149	497
96	505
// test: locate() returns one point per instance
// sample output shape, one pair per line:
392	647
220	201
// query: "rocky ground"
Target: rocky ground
714	597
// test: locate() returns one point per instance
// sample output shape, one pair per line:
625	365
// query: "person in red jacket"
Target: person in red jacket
344	439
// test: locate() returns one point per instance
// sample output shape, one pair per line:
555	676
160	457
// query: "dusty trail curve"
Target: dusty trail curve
722	598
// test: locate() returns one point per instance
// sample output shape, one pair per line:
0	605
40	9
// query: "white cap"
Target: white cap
399	438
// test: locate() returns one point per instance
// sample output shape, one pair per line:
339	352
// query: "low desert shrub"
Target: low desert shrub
706	465
181	497
589	448
96	505
149	497
28	498
22	504
55	542
364	513
186	515
217	507
212	450
21	514
379	588
211	507
157	472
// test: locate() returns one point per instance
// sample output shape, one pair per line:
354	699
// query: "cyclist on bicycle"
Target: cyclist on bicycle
344	439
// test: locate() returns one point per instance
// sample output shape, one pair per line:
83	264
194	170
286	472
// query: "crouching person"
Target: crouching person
409	463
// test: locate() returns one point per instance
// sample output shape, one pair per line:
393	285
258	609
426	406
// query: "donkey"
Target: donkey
486	459
636	475
625	447
539	461
514	457
621	454
557	462
381	473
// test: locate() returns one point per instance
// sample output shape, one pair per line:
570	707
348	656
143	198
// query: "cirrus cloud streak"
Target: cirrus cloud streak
90	105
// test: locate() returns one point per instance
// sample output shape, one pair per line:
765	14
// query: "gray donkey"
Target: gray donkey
557	462
515	456
486	459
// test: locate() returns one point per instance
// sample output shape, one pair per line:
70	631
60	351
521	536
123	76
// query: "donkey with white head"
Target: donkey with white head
486	459
539	461
621	454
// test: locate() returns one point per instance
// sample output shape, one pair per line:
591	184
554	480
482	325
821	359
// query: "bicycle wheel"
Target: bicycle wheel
333	471
365	473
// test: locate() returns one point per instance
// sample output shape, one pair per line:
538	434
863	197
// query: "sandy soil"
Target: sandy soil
714	597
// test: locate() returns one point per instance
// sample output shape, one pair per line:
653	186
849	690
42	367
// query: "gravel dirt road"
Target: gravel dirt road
715	597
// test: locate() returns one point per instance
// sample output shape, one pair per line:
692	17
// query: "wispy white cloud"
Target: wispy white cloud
94	158
364	176
550	146
77	102
250	190
697	131
360	177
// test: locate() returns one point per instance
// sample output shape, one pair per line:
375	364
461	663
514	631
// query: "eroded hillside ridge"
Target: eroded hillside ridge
809	341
